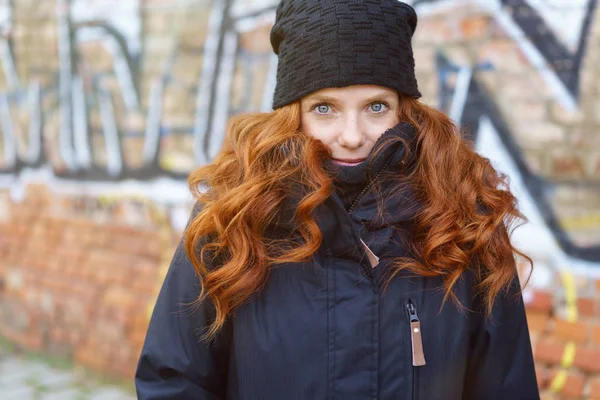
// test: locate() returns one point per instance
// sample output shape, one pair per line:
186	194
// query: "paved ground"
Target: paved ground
25	378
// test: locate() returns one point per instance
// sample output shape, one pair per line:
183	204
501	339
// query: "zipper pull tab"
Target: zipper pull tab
373	259
415	335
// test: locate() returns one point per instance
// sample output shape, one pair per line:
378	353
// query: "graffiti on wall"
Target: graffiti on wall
111	104
116	90
557	55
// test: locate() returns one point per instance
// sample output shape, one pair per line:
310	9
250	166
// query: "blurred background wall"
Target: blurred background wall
107	105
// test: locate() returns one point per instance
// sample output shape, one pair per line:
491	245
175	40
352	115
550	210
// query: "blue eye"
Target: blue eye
322	108
378	107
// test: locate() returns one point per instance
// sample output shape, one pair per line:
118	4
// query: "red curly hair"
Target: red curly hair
263	153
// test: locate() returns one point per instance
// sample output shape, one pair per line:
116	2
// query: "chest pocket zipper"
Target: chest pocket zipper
418	356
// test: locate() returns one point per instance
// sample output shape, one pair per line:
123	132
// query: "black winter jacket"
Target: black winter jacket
325	329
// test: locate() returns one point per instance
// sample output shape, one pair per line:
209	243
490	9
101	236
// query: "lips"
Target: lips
347	161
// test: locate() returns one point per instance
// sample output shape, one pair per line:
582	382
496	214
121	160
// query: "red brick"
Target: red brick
567	165
73	239
596	335
69	254
37	191
137	339
86	273
36	247
124	360
135	245
549	351
573	386
142	302
82	224
595	388
103	259
76	336
119	296
31	341
85	238
100	239
59	334
89	356
122	317
116	229
541	302
543	376
139	321
124	368
109	331
575	331
102	311
588	307
152	237
587	359
56	283
146	286
11	240
537	321
53	237
102	277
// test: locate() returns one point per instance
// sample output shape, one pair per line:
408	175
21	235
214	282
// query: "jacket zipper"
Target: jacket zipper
371	257
364	191
366	267
416	342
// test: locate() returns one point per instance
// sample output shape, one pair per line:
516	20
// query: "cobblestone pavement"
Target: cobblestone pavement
27	378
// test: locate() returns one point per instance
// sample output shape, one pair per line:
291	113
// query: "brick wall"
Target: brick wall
79	276
566	350
77	279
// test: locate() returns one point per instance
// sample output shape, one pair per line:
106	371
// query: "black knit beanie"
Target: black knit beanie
337	43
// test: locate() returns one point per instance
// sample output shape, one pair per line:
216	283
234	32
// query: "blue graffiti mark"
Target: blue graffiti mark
566	64
480	103
447	71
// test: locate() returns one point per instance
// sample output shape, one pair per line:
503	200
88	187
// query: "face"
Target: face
350	119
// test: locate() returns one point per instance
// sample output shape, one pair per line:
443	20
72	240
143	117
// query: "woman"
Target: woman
334	229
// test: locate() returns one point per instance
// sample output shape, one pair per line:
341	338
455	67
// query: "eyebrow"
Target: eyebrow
328	99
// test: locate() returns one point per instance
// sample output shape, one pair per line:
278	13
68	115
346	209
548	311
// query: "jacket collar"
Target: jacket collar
399	203
392	151
355	185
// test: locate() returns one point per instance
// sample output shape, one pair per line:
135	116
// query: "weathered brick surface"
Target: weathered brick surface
571	331
595	389
574	385
80	289
75	287
554	337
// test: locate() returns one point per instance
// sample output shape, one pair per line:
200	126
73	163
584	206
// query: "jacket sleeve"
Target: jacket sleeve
501	362
174	363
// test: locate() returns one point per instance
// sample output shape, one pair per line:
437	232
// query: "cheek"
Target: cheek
376	129
319	130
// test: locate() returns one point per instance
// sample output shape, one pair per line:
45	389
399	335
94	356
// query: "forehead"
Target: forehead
351	93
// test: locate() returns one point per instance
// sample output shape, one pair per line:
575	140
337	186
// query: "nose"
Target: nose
351	134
